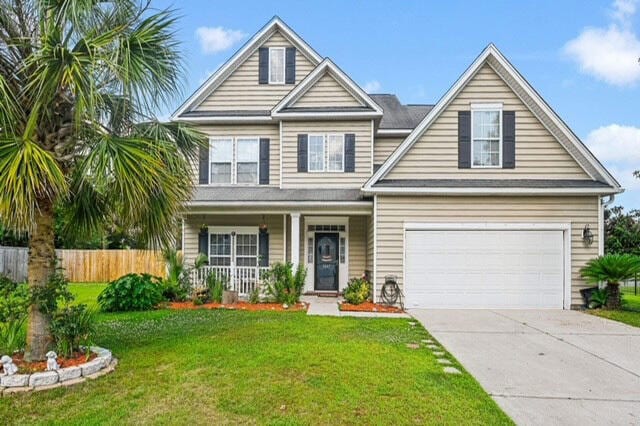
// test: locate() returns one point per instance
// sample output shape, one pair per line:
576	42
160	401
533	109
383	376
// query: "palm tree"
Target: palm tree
79	82
612	269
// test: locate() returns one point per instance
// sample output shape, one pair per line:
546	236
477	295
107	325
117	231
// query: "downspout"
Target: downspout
601	232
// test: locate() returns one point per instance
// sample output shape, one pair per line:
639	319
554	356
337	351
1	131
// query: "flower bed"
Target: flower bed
369	307
241	306
102	363
25	367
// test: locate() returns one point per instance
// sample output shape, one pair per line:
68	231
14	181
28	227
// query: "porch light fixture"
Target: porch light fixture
587	235
263	225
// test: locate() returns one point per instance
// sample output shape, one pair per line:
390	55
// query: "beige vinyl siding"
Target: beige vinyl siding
383	147
393	212
193	223
538	153
271	131
241	91
327	92
357	246
290	176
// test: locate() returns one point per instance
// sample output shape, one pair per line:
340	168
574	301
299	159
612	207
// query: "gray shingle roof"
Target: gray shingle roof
251	193
398	116
490	183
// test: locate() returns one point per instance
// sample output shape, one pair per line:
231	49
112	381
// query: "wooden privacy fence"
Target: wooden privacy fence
87	265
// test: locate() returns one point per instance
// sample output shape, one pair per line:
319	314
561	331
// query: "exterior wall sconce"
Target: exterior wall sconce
263	225
587	235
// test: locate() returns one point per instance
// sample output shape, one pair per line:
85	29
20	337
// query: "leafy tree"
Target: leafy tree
79	81
622	231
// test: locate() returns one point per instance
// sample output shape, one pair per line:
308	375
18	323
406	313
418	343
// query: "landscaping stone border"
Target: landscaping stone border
103	364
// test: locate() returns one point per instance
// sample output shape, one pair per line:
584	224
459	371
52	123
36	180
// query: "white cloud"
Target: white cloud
218	39
610	54
618	147
372	86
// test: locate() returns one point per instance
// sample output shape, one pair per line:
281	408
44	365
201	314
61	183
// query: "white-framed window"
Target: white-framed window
325	153
486	136
246	250
220	249
276	65
233	246
234	160
220	157
247	155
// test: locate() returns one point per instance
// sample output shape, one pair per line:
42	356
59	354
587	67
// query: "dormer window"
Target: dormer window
486	136
276	65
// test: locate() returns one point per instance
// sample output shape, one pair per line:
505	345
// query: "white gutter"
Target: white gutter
601	231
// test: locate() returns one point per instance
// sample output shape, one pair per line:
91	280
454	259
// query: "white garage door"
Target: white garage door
484	268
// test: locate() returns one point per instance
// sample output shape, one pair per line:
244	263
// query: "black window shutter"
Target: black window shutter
290	65
508	139
464	139
203	241
263	248
263	65
302	152
264	161
349	152
203	177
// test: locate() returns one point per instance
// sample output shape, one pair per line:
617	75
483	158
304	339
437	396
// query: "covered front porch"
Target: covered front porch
334	245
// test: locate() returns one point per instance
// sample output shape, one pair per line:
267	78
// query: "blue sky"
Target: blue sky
582	56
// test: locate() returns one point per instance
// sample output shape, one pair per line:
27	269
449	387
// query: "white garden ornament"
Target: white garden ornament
8	367
52	364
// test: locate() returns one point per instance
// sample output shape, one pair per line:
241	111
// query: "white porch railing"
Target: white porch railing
242	279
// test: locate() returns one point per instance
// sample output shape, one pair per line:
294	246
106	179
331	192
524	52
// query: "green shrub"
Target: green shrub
357	291
612	269
72	327
131	292
14	306
254	295
216	285
54	292
176	286
283	285
598	298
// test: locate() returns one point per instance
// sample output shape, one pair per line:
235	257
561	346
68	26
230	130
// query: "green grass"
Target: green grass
87	293
221	367
630	312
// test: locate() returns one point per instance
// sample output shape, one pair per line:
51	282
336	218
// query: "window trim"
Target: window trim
234	161
487	108
284	65
232	231
221	138
235	169
325	153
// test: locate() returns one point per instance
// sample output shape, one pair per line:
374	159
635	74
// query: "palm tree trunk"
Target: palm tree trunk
42	256
613	301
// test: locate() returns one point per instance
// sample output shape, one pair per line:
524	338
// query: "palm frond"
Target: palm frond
611	268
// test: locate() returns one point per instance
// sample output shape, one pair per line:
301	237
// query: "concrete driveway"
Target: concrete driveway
546	366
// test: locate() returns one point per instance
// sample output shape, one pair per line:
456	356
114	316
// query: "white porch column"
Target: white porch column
295	240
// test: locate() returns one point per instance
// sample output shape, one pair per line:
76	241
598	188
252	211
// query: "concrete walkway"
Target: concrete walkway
546	367
328	306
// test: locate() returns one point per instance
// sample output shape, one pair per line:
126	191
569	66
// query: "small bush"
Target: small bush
72	327
283	285
254	295
132	292
598	298
357	291
176	286
14	306
216	286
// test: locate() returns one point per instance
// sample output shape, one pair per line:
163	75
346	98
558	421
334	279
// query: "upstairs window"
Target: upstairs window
326	153
221	156
276	65
227	168
247	160
486	137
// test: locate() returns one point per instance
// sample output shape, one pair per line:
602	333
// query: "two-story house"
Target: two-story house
484	200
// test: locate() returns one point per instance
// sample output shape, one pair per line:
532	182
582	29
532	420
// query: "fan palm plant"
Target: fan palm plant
612	269
79	83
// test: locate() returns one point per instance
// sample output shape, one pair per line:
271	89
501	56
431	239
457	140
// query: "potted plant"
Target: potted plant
612	269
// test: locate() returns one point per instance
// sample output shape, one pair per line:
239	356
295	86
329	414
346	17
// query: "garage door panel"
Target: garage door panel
484	269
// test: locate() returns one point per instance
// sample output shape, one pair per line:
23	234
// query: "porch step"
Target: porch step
327	294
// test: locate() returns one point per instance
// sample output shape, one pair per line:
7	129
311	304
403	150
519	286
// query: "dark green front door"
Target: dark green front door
326	256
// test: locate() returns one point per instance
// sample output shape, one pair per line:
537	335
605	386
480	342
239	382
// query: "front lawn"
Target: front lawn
219	367
87	293
630	312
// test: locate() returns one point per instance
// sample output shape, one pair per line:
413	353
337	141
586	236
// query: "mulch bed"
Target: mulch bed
25	367
370	307
240	306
